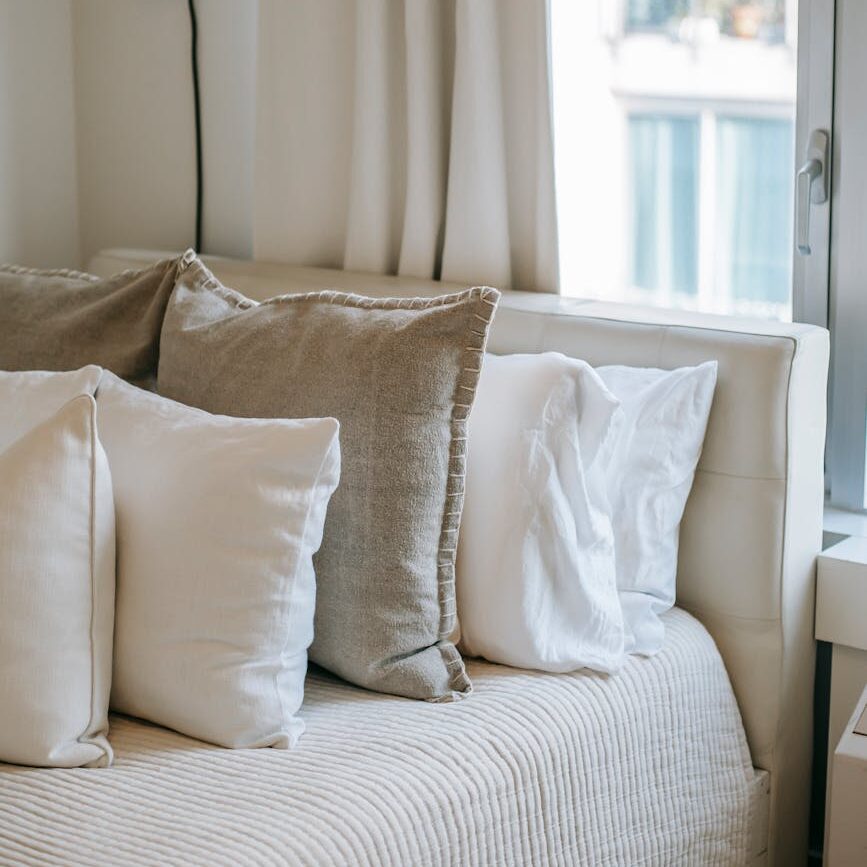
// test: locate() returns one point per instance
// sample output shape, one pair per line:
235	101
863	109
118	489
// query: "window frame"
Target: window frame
846	454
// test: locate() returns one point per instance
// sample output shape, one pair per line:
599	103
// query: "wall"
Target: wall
134	106
38	191
97	132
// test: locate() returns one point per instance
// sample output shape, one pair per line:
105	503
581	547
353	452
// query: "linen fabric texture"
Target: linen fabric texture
536	575
217	522
400	375
651	466
57	561
28	398
64	320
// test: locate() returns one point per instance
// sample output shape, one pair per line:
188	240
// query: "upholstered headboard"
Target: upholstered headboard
753	524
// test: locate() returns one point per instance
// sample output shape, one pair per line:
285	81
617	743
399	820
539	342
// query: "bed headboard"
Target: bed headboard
753	523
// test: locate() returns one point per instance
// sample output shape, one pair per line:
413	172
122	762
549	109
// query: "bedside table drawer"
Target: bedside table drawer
847	844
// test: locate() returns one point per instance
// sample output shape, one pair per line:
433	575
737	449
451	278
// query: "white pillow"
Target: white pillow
217	522
28	398
535	567
56	580
652	460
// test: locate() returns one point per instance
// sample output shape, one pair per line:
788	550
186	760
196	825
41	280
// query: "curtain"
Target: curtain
408	137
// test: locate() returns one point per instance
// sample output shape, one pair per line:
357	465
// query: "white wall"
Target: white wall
135	146
38	194
134	106
227	52
97	132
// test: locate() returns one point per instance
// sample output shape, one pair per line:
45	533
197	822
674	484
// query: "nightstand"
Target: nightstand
847	844
841	618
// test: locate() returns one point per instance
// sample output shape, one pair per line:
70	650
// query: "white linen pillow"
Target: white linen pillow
56	580
651	465
217	522
27	398
535	568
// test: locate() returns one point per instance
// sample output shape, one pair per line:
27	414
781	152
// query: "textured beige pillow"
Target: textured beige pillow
63	320
400	376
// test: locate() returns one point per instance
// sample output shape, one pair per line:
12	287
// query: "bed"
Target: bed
700	755
651	766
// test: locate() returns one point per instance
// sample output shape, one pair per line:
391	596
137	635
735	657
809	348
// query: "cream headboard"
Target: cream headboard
753	524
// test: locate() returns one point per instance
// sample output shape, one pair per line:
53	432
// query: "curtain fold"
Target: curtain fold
409	137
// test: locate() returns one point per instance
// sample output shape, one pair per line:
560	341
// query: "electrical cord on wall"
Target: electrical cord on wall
197	112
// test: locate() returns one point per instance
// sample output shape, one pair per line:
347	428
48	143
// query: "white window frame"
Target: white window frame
847	313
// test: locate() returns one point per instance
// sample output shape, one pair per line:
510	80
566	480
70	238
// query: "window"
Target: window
663	203
674	128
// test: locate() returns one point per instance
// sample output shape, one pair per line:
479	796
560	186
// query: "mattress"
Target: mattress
649	766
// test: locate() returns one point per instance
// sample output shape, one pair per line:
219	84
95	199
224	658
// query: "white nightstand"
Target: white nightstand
847	844
841	618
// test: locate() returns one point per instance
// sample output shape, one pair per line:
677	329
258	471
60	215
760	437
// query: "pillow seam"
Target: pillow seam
481	309
21	270
88	734
203	278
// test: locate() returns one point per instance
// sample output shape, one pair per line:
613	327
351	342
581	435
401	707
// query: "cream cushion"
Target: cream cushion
217	523
56	592
28	398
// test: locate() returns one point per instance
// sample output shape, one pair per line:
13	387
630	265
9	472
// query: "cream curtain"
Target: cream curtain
407	136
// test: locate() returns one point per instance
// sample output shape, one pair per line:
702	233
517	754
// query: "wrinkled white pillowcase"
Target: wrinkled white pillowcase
56	574
651	465
217	522
535	569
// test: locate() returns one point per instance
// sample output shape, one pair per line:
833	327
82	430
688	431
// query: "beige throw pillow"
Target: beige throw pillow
63	320
400	376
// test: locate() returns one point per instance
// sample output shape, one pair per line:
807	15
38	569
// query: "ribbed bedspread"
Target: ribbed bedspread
646	767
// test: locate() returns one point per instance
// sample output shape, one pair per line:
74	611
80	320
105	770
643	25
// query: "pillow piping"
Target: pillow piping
465	389
98	737
72	274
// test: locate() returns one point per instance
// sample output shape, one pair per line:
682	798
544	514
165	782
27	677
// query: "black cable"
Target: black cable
197	111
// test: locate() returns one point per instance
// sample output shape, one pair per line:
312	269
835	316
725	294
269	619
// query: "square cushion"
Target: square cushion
400	376
27	398
217	522
63	320
56	590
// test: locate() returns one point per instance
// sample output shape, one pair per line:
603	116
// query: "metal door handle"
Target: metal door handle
812	186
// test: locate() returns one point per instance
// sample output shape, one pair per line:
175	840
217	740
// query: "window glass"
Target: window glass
674	139
754	206
654	14
663	187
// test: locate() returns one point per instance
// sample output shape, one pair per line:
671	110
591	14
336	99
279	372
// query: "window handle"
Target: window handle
812	186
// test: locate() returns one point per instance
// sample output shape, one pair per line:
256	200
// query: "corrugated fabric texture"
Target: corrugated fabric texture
647	767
